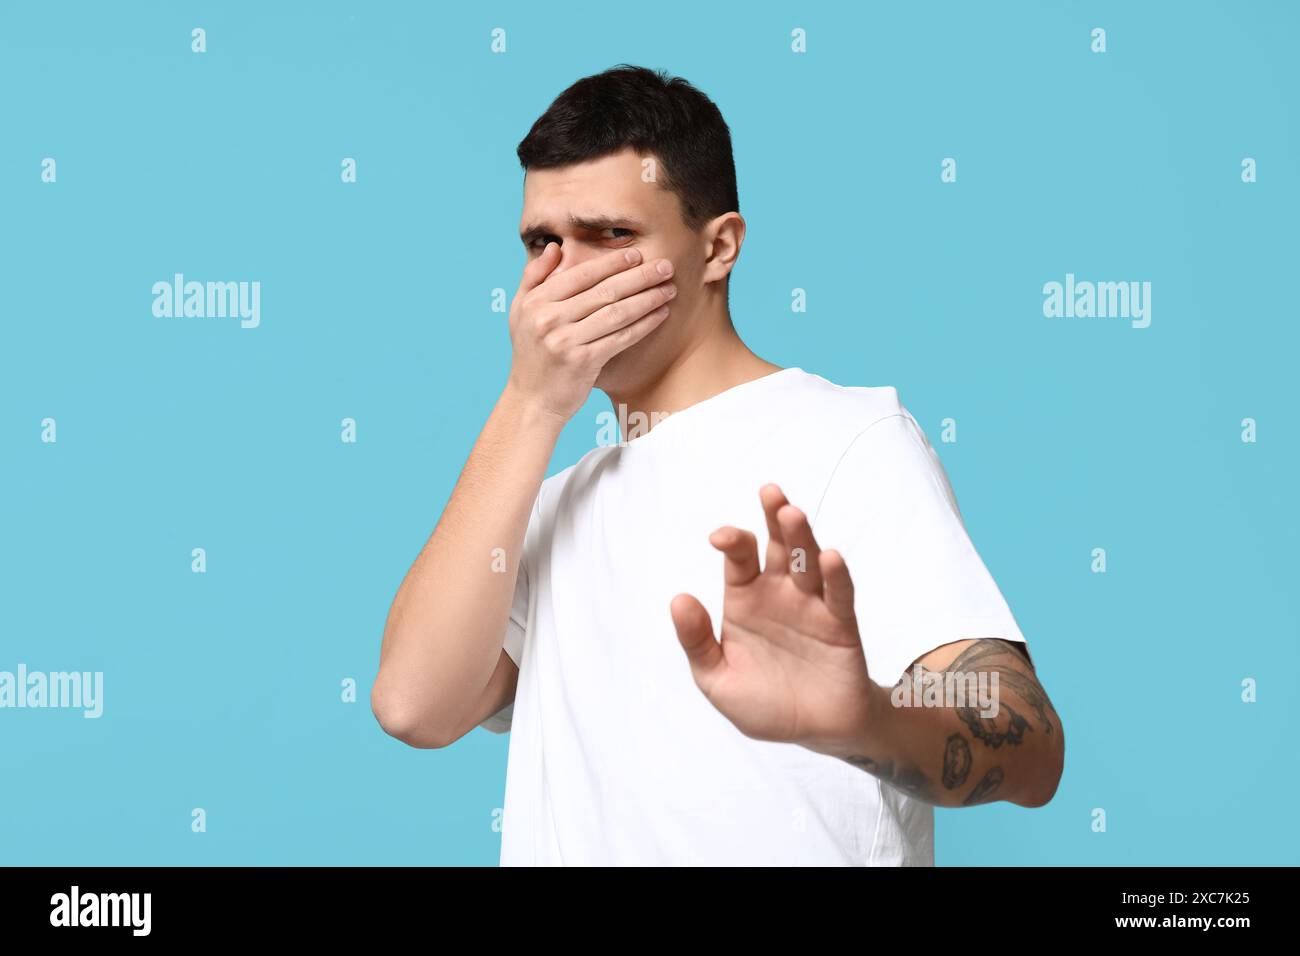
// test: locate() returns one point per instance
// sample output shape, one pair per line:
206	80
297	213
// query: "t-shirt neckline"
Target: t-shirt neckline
705	406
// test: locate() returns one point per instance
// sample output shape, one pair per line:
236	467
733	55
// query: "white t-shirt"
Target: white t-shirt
616	757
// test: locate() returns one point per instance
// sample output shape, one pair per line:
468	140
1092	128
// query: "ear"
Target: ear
723	238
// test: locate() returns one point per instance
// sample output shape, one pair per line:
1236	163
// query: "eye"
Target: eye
627	233
538	244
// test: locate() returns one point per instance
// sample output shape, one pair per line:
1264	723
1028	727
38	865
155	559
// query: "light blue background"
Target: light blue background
222	690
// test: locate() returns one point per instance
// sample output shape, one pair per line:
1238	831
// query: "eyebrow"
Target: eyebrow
585	223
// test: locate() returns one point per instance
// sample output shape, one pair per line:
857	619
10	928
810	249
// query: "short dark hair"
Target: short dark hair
652	112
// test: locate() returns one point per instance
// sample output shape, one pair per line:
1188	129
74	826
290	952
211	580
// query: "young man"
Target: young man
579	610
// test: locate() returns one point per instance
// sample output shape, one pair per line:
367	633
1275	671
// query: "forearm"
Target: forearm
442	639
951	748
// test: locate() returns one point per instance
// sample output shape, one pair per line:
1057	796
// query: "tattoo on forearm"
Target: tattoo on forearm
985	788
1008	727
1030	691
956	761
987	730
996	654
982	651
905	776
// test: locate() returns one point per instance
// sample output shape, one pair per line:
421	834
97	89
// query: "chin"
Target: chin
634	368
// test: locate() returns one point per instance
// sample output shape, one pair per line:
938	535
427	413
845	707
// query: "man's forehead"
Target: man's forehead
614	168
607	188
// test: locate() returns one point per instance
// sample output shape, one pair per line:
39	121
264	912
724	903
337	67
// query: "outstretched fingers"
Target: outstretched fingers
695	633
838	585
740	549
776	561
802	552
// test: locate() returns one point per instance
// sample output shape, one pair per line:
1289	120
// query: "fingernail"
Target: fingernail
632	256
665	267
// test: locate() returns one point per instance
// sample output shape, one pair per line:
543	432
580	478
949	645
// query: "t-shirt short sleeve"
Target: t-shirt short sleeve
516	627
918	581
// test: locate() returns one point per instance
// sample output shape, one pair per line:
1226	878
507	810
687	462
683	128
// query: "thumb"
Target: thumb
695	632
537	271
